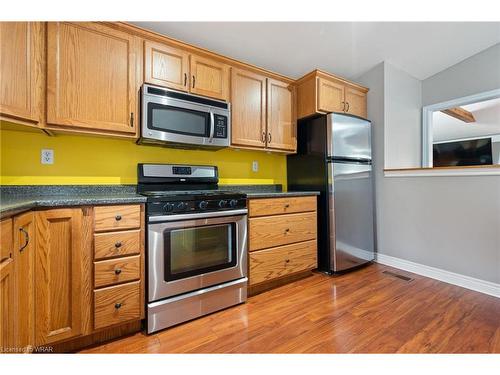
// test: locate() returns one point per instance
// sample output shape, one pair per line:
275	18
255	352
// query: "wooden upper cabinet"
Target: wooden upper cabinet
21	71
330	96
281	122
166	66
93	76
58	275
321	92
355	102
209	77
248	108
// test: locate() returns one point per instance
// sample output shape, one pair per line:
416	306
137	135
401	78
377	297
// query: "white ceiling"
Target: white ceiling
486	113
348	49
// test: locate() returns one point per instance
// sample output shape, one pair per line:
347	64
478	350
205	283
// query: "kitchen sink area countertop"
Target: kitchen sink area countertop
17	199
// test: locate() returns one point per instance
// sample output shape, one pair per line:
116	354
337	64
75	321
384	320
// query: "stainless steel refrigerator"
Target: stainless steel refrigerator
334	156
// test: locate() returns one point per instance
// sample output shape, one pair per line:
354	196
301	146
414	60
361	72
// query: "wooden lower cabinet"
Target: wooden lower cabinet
58	275
282	245
7	305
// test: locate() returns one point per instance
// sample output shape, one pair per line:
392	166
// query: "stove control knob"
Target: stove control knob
222	203
233	202
169	207
182	206
203	205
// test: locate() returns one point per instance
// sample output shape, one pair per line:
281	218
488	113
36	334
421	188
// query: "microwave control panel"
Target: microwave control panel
220	130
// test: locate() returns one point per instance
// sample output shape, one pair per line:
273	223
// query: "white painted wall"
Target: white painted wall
451	223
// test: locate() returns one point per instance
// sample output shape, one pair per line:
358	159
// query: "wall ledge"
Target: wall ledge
478	285
444	171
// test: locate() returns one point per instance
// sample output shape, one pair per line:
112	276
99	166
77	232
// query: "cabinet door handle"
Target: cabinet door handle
287	205
287	230
118	271
118	217
194	80
343	106
185	79
131	119
263	137
118	245
269	137
347	106
118	305
26	239
287	260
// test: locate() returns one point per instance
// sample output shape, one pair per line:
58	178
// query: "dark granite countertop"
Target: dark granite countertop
17	199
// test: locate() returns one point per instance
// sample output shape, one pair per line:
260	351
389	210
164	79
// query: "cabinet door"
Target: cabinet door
92	78
209	78
166	66
58	275
7	288
24	255
281	121
21	66
248	109
355	102
330	96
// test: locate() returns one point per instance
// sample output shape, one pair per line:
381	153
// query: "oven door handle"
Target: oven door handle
201	215
212	126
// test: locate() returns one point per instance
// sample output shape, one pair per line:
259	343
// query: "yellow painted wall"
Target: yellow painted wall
99	160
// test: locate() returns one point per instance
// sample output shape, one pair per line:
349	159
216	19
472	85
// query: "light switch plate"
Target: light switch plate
255	166
47	156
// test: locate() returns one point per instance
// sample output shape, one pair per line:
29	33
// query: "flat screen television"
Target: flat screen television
462	153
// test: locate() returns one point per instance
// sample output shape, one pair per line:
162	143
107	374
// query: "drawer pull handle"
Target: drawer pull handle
118	245
118	217
287	205
287	230
118	305
287	260
118	271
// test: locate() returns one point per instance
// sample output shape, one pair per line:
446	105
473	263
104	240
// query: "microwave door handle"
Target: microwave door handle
212	126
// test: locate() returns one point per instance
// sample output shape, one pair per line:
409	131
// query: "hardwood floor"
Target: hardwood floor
367	311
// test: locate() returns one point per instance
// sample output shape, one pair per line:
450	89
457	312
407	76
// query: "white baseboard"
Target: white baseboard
467	282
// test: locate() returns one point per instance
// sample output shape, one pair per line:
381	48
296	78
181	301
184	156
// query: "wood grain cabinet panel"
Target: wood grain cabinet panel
248	108
109	245
117	304
355	102
116	271
58	274
92	78
6	245
7	305
269	264
166	66
209	77
108	218
330	96
278	206
271	231
24	255
281	122
21	71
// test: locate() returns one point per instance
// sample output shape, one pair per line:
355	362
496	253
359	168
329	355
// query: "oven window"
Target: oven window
194	251
178	120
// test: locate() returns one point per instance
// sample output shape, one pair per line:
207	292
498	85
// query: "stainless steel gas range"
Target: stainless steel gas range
196	243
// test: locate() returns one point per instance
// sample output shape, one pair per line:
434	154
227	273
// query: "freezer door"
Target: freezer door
348	137
351	215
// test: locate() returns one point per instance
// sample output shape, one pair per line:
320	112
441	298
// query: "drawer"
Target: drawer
278	206
266	265
271	231
107	218
108	245
115	271
117	304
6	240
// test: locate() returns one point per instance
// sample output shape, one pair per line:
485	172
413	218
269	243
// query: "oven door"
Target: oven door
193	251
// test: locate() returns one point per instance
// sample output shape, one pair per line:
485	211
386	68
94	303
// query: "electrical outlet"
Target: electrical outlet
47	156
255	166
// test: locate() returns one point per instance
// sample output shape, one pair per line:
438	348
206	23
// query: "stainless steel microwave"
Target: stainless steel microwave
183	120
